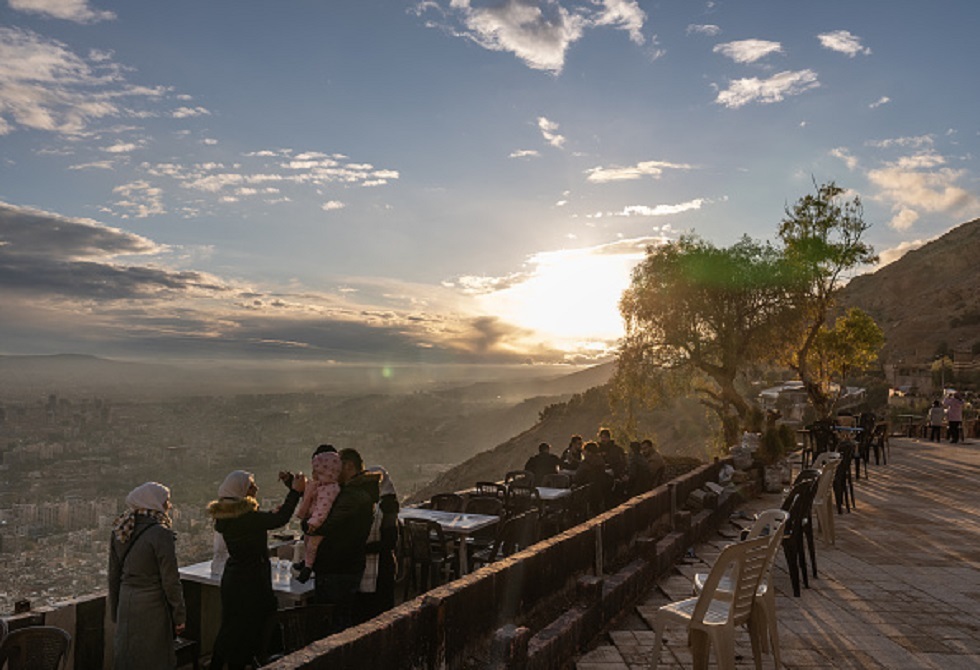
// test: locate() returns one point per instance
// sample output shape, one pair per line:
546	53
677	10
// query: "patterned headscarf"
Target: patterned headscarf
149	499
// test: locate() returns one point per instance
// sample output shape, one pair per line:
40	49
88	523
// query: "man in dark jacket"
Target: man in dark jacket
542	464
340	558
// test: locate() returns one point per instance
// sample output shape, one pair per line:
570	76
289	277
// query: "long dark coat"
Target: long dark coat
145	598
247	599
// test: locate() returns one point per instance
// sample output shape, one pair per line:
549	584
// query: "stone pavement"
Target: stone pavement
900	589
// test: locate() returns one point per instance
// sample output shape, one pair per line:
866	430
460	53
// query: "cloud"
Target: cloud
332	205
70	10
188	112
660	210
292	176
138	199
45	86
538	32
703	29
94	165
766	91
748	51
525	153
654	169
623	14
843	154
883	100
121	148
893	254
47	255
916	141
549	130
915	184
77	285
843	42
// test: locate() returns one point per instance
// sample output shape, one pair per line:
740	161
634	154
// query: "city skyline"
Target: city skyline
440	182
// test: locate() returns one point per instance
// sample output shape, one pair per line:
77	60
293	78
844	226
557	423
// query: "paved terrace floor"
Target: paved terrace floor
901	588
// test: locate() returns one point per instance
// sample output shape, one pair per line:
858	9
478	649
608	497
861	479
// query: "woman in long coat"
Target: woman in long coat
145	596
247	601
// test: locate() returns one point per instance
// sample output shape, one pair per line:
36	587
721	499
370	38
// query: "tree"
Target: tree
694	307
822	237
942	372
851	345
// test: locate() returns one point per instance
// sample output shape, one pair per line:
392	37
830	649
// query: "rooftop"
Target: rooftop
900	589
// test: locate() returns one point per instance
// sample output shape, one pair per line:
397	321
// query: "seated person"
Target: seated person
593	471
543	463
571	458
643	472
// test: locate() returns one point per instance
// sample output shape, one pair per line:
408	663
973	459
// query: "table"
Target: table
458	524
910	420
202	593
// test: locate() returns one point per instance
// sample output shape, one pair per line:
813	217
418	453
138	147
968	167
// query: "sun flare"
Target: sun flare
570	298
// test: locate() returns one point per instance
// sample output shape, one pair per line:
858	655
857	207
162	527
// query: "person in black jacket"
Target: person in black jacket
340	559
248	604
542	464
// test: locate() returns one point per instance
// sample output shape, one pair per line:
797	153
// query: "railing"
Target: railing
488	616
533	609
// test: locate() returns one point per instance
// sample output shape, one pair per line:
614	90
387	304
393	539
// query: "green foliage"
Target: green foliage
823	241
694	307
942	372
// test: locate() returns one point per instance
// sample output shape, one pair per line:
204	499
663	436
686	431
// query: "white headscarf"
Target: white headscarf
151	495
387	487
236	484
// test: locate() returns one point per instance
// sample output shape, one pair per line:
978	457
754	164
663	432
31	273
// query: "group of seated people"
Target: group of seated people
604	465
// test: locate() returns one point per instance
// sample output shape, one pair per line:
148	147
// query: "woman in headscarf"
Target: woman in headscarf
247	601
145	596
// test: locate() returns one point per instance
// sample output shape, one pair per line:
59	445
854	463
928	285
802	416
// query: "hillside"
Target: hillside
679	429
927	297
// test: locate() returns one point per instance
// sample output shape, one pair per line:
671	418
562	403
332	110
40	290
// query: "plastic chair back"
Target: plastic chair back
744	563
34	648
484	505
490	489
522	498
557	481
520	477
447	502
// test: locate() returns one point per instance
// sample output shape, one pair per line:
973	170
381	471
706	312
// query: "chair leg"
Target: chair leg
700	649
769	607
791	567
757	635
658	633
808	532
723	641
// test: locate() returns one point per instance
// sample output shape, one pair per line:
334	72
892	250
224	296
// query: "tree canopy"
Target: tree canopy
692	305
823	241
711	313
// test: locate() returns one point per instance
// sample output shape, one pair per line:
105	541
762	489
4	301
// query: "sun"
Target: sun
570	298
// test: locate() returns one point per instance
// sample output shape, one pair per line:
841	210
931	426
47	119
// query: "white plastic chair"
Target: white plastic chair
823	499
711	618
768	524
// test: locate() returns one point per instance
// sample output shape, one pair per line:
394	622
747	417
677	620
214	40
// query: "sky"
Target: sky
442	181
